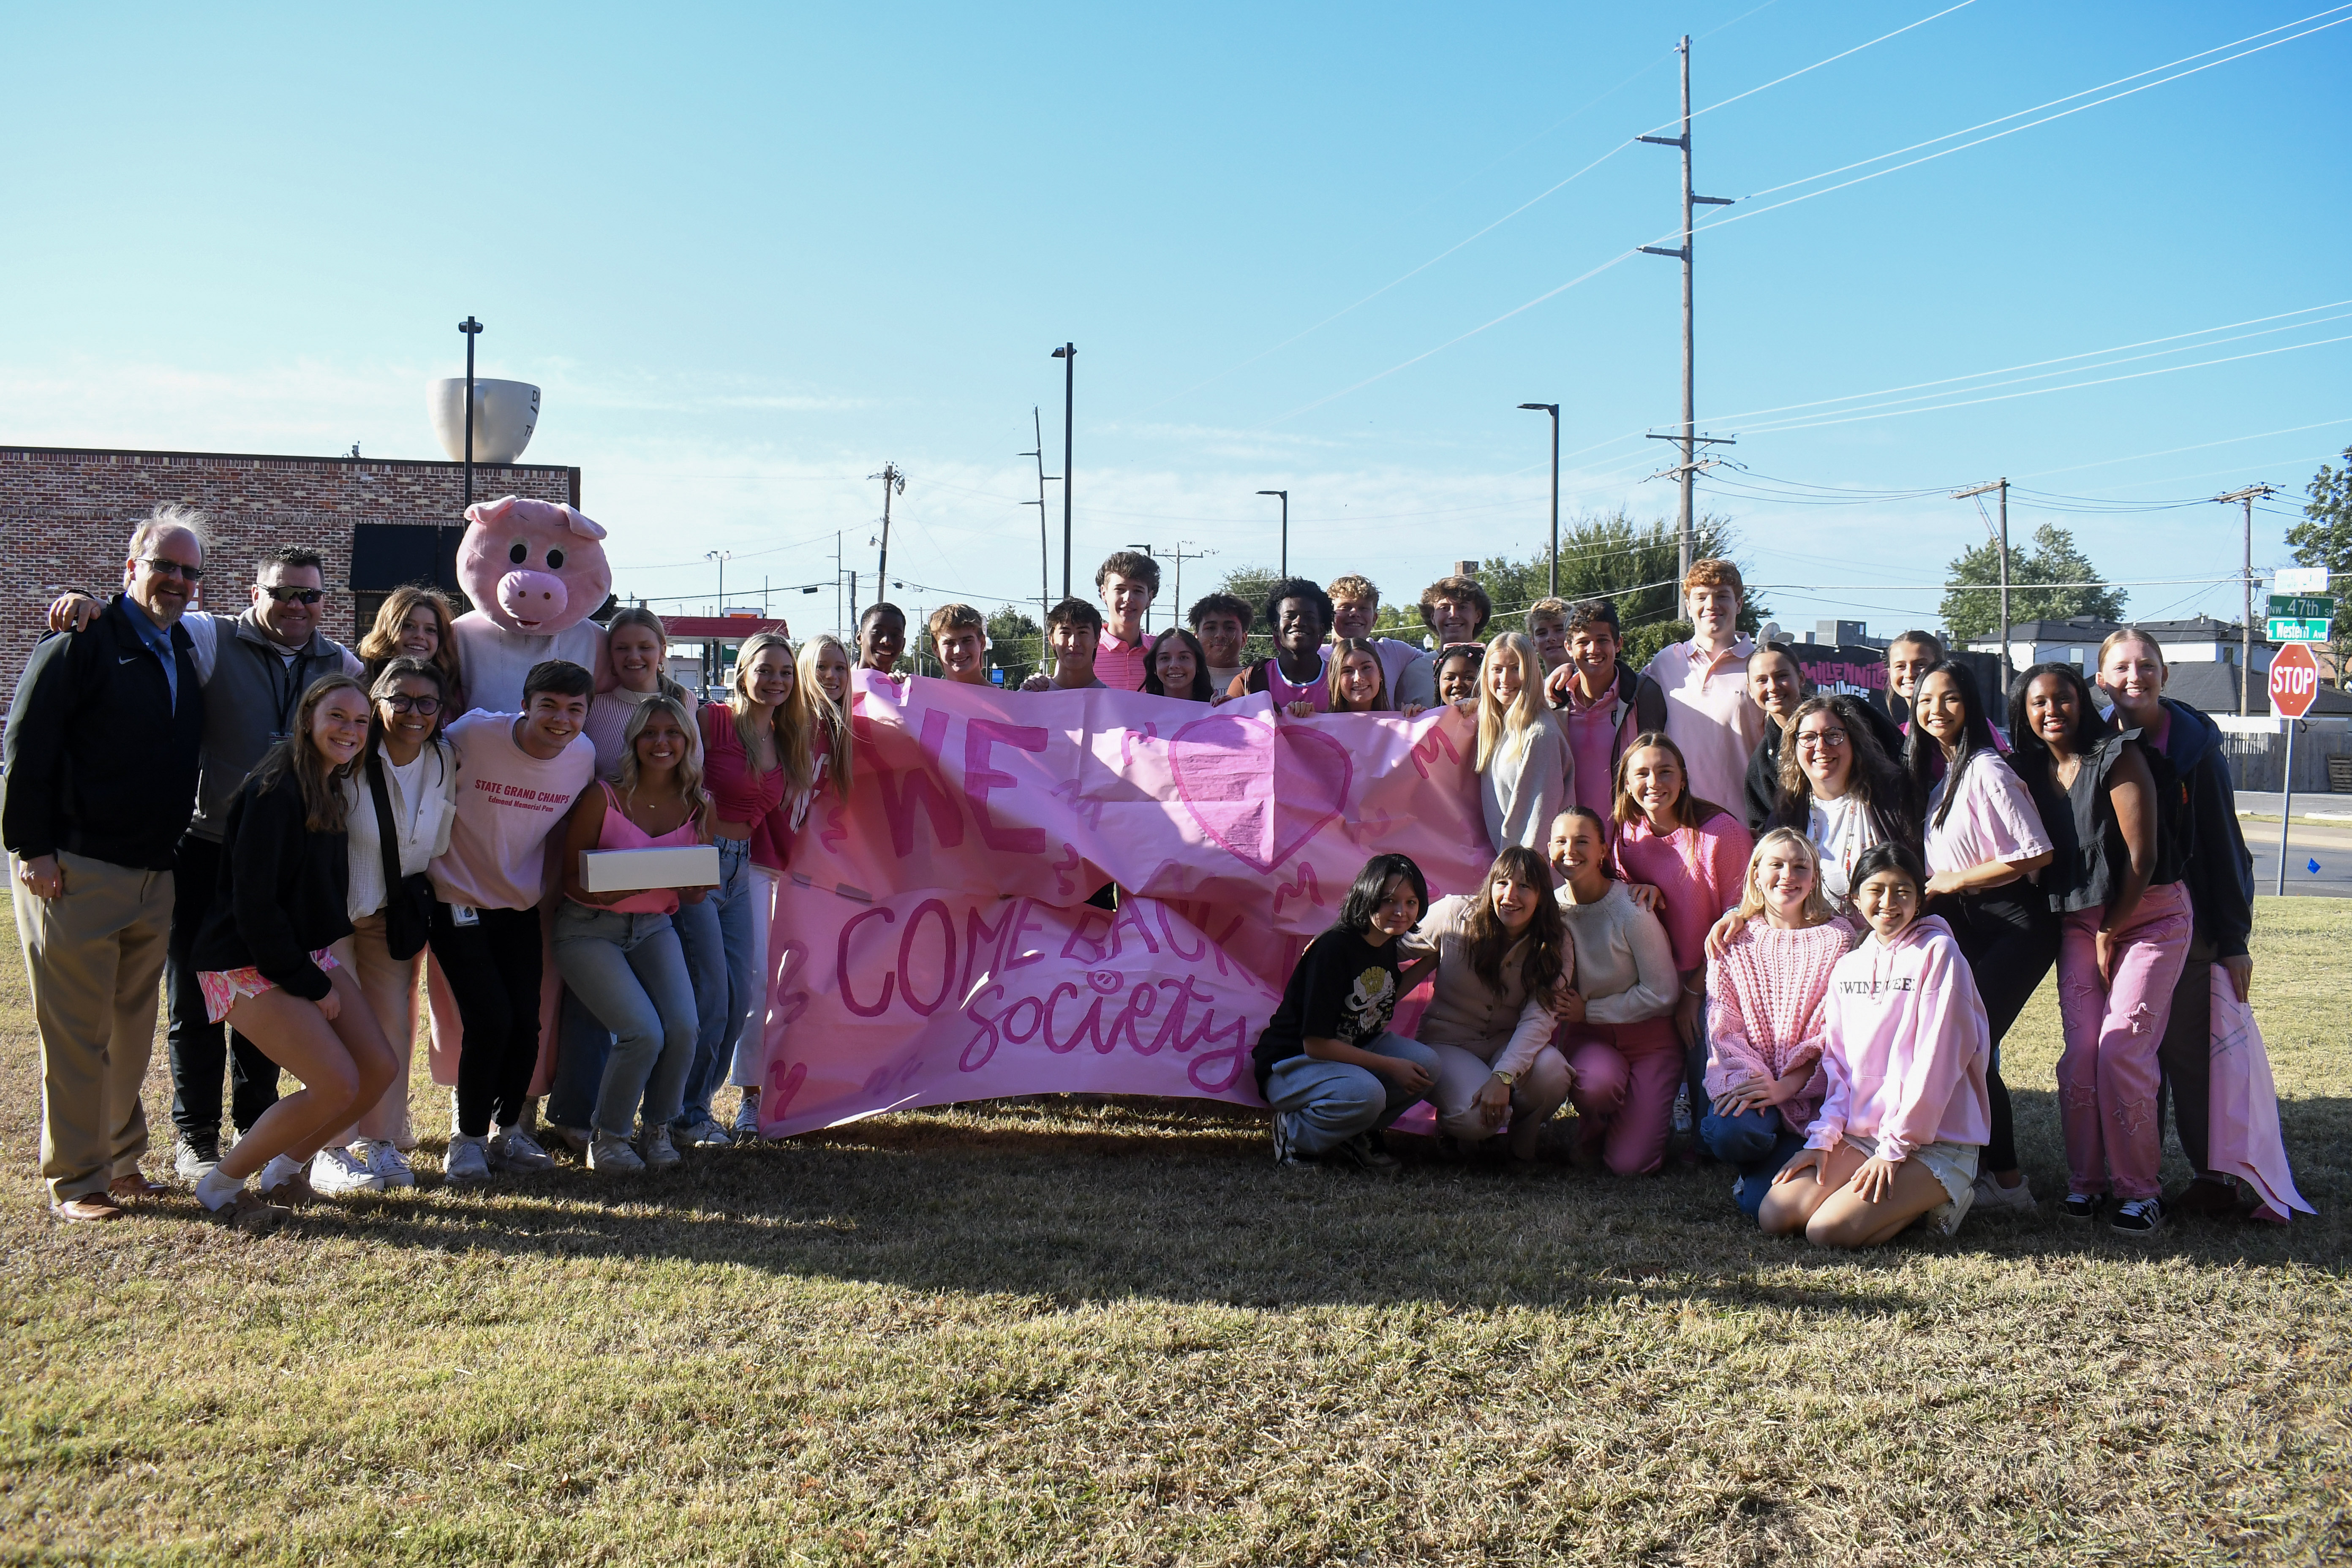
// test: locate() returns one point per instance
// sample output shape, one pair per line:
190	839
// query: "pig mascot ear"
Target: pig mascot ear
488	513
587	528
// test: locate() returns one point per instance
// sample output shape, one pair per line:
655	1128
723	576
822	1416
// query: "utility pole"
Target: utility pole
721	556
1553	409
2247	497
836	579
2001	541
1044	551
472	329
891	480
1285	528
1179	555
1689	437
1068	354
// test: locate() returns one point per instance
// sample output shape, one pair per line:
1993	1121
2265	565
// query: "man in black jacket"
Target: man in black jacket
101	780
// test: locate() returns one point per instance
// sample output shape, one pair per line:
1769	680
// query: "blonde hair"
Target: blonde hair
1816	908
2132	634
690	766
790	723
825	714
1500	727
637	616
1353	587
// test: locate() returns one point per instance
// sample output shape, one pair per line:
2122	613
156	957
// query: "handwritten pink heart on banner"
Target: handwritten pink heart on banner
1221	765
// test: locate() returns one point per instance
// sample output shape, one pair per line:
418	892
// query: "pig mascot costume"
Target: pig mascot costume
536	571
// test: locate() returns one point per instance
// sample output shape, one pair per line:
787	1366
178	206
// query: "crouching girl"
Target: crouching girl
1905	1047
1501	952
1767	999
1327	1061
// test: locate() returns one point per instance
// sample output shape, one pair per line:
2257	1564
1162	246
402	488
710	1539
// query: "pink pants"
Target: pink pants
2107	1078
1625	1078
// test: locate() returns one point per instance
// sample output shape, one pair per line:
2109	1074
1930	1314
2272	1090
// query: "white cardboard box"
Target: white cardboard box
633	870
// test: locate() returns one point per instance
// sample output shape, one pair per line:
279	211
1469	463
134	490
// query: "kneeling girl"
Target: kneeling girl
1905	1047
1502	953
1327	1061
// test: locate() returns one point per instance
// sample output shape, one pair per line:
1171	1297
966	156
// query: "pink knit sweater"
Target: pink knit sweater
1766	1004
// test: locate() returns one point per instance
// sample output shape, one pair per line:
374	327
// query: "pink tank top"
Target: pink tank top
1318	691
620	834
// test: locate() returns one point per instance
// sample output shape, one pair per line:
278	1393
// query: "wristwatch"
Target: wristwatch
1508	1078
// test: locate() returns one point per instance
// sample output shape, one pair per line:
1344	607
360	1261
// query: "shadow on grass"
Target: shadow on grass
1077	1202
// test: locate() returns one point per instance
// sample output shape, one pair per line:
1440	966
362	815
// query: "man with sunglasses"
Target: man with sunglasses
253	668
101	759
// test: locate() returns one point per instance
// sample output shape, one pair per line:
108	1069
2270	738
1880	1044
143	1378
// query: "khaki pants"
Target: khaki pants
95	957
390	985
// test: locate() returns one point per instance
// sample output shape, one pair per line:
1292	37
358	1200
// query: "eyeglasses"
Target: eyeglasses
163	568
296	595
1832	738
424	706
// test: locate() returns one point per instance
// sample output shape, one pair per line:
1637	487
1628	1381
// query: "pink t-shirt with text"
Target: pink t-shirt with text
508	802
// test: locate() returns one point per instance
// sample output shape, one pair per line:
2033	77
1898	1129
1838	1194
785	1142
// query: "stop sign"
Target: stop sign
2295	679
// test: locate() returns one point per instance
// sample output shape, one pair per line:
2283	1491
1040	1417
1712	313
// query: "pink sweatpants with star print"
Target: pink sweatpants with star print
2108	1077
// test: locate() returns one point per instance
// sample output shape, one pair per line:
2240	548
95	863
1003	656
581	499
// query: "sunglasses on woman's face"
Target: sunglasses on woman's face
425	707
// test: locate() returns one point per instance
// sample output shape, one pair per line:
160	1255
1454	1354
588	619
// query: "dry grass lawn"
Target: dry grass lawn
1094	1333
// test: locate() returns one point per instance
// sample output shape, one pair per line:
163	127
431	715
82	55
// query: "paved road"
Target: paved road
2306	804
2331	847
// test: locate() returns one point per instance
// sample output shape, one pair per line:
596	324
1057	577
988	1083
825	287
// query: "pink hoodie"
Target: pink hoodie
1905	1046
1767	1005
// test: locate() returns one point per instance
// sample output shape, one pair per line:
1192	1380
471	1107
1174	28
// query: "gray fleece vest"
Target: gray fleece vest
249	704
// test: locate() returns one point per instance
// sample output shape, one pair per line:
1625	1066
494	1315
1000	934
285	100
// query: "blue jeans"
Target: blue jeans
730	919
1334	1100
628	971
582	1041
1755	1142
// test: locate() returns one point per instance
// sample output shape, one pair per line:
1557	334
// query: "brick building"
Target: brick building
65	513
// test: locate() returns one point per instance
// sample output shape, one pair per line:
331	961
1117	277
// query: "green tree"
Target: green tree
1611	556
1971	604
1016	643
2324	539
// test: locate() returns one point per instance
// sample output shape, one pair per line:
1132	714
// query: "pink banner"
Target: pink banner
932	942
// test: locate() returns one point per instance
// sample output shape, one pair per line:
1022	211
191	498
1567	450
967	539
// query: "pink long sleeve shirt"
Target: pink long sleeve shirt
1699	870
1766	1009
1905	1046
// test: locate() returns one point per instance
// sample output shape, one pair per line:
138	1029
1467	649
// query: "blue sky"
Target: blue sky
751	254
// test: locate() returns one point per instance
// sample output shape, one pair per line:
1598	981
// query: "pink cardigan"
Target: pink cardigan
1766	1010
1907	1046
1699	870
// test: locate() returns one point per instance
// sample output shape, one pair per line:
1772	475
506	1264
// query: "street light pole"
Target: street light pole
1552	409
472	329
721	556
1286	527
1068	354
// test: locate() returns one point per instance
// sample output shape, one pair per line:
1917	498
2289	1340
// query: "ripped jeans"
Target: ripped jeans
2108	1076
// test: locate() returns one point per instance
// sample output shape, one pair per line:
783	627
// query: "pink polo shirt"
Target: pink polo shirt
1121	665
1710	718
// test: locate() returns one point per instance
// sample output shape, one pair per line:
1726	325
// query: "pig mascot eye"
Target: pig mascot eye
517	552
555	560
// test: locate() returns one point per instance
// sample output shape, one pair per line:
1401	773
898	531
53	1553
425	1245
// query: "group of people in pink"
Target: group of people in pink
1778	919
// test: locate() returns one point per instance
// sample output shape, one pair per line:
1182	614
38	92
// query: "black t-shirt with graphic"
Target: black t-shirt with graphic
1344	988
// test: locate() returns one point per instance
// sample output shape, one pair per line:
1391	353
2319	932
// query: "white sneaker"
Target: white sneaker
747	1118
1994	1198
613	1156
516	1150
706	1133
469	1164
659	1152
336	1172
390	1165
191	1167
